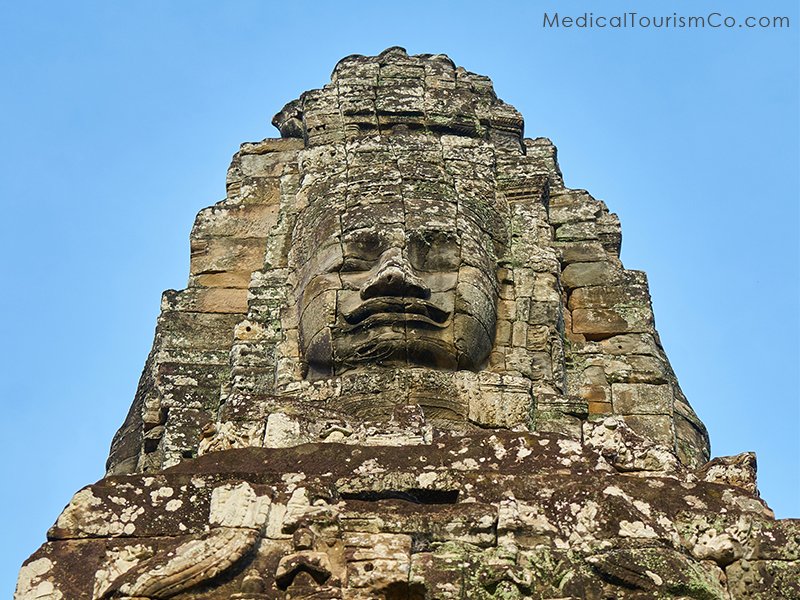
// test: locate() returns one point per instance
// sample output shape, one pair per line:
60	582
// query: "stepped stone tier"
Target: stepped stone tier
409	364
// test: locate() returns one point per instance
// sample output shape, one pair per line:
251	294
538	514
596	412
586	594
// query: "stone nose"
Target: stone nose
395	277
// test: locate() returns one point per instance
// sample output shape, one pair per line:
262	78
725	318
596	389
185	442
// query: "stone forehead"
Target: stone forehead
394	91
431	177
338	199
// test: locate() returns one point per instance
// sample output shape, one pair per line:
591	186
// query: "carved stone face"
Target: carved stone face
400	281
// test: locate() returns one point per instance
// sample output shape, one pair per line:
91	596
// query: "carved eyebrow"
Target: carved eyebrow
361	236
377	238
425	232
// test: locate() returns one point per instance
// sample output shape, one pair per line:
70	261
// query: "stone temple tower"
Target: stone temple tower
409	364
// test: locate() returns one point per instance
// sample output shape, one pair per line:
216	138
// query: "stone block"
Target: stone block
541	367
586	209
501	402
228	279
216	254
524	280
777	540
199	331
546	288
599	408
105	510
507	310
570	197
616	296
657	428
256	190
566	405
503	333
609	233
583	251
271	145
207	300
606	321
583	230
235	220
692	438
553	421
630	343
542	313
579	275
182	433
199	356
642	399
635	369
267	165
538	338
195	396
594	375
595	393
519	334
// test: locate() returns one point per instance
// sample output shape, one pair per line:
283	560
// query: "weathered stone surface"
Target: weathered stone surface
578	275
607	321
739	471
642	398
410	364
212	300
461	517
610	296
223	254
582	251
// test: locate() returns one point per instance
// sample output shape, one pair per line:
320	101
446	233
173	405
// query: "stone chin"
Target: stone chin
389	347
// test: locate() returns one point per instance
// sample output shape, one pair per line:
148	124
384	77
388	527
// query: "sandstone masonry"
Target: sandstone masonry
409	363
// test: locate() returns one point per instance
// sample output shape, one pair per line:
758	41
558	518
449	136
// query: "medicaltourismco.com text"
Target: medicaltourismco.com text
634	20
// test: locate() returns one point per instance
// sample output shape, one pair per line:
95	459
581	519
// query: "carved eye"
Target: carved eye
434	250
352	264
361	251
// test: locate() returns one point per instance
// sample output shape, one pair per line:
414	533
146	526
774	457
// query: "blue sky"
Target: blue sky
118	121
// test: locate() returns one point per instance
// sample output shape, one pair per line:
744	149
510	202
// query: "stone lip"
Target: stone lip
397	309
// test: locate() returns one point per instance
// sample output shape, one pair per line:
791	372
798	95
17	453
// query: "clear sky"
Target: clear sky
118	120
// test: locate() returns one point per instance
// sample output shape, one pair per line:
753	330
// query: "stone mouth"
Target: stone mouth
384	310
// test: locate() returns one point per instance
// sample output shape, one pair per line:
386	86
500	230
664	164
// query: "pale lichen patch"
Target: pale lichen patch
31	584
426	479
118	562
173	505
523	452
635	529
654	577
238	506
163	492
369	467
566	446
644	507
468	464
695	502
